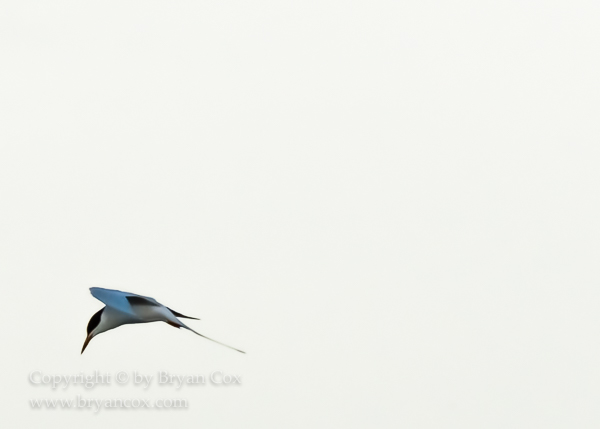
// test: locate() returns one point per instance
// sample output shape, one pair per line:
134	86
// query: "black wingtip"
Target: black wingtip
176	314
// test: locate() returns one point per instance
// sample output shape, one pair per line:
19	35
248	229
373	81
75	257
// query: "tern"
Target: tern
123	308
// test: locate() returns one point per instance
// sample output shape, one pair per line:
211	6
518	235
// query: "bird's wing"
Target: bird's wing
122	301
176	314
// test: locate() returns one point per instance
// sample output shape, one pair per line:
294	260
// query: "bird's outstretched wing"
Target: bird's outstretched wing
176	314
122	301
127	301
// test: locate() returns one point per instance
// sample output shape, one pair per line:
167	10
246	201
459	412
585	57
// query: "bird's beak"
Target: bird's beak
87	341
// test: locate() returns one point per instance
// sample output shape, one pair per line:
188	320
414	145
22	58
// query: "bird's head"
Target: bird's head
94	327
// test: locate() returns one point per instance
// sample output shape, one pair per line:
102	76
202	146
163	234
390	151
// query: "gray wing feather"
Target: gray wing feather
122	301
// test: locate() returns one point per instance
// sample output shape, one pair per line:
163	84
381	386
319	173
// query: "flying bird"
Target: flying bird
123	308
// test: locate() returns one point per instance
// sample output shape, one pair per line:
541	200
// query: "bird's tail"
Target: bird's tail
183	325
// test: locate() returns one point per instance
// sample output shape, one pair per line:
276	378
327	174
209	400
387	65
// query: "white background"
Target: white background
392	206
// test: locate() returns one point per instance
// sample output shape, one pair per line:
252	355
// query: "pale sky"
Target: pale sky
391	206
